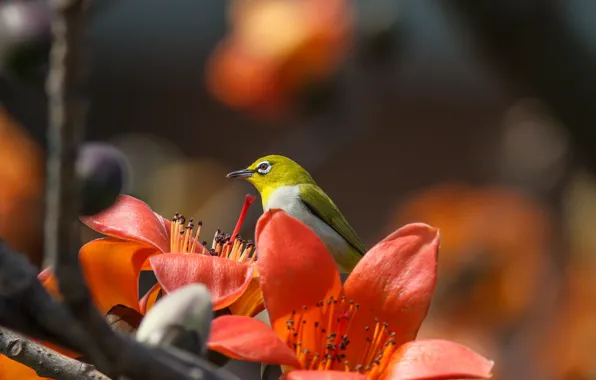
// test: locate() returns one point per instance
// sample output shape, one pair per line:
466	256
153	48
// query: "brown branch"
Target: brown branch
114	354
45	362
26	306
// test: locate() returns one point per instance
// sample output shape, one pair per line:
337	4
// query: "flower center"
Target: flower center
227	246
331	328
223	245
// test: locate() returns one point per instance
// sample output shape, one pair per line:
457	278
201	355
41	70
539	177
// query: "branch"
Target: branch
114	354
25	305
45	362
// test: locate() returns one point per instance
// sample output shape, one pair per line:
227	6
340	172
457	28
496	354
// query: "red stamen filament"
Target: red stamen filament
332	339
247	202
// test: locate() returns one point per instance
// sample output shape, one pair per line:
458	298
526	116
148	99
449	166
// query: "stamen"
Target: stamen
214	245
229	246
245	252
197	235
187	234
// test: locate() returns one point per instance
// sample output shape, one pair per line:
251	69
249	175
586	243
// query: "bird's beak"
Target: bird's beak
244	173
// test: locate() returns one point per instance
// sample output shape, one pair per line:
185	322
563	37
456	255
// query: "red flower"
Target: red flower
139	239
365	329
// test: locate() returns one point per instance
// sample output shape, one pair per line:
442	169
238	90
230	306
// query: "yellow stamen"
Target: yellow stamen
332	326
197	235
187	235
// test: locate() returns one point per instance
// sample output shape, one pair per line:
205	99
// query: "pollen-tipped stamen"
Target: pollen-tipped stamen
331	332
227	246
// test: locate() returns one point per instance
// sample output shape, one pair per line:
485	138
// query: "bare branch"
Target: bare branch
114	354
26	306
46	362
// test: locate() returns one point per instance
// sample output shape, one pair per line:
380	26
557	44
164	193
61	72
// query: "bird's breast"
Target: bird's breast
287	198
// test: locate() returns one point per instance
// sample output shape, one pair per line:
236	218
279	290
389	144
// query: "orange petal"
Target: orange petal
251	302
323	375
149	299
165	222
295	270
437	359
11	370
131	219
111	268
394	282
226	279
248	339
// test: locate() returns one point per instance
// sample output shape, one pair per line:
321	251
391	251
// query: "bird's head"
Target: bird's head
271	172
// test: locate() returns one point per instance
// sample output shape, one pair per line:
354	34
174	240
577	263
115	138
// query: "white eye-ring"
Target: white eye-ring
264	167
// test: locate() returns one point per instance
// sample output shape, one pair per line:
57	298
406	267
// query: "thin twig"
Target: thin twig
45	362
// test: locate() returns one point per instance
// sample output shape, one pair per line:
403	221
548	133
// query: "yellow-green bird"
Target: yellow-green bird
283	184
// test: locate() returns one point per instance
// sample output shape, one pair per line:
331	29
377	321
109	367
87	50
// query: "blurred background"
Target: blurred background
477	117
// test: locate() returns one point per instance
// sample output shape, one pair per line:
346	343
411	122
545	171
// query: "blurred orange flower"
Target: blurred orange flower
21	193
275	49
493	239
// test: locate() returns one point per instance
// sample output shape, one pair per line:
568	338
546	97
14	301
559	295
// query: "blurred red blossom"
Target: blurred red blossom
275	49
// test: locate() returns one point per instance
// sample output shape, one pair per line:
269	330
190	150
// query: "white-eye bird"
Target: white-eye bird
284	184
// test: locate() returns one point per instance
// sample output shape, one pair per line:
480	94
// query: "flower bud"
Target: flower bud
102	170
181	319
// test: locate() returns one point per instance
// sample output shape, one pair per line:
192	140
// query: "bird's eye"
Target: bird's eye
264	167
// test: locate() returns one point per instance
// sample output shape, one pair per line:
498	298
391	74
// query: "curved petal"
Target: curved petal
131	219
296	271
149	299
250	302
323	375
226	279
111	268
394	282
248	339
437	359
165	222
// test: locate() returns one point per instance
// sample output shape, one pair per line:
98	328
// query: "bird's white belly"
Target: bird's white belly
287	199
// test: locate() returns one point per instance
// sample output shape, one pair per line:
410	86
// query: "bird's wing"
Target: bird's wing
323	207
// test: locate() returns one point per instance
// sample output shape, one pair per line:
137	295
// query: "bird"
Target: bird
284	184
